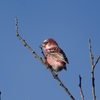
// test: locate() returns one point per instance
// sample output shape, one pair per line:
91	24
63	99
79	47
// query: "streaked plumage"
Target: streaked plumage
54	55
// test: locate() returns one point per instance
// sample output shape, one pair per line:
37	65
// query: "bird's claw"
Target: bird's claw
55	76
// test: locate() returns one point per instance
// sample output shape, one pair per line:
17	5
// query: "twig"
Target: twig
40	59
42	52
92	72
96	61
93	66
80	86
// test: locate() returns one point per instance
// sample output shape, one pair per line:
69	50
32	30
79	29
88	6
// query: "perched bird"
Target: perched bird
54	55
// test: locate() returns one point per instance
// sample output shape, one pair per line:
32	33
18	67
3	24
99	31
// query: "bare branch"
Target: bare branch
93	66
92	72
80	86
96	62
40	59
42	52
90	51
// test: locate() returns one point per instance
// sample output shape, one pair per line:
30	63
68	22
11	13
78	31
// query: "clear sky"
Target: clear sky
70	23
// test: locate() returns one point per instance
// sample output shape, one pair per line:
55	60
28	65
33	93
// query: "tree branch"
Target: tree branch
40	59
80	86
93	66
90	51
96	61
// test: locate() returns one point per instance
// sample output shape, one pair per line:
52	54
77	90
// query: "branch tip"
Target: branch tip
80	86
89	40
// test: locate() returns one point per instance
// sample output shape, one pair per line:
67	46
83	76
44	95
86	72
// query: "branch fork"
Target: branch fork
40	59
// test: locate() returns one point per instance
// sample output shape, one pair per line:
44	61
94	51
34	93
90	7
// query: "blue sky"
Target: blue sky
70	23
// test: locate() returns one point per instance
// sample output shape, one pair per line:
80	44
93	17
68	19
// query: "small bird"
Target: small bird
54	55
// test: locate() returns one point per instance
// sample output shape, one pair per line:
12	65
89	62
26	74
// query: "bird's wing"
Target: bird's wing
64	55
58	54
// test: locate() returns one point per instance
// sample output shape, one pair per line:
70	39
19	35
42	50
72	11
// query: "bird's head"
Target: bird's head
49	44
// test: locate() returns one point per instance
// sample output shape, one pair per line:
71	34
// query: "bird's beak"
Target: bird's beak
43	45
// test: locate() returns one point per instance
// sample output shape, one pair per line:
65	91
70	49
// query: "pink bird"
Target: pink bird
54	55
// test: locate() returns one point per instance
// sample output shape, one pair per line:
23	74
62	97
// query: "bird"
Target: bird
54	55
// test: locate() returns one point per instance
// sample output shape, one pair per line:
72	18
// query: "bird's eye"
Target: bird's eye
46	42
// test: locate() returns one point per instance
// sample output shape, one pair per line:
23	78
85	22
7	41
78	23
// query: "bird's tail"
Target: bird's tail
65	68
